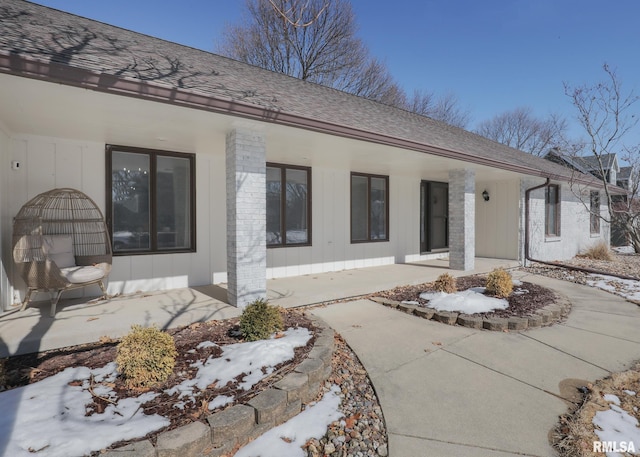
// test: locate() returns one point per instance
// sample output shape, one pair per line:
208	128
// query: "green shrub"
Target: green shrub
499	283
259	320
445	283
599	251
146	357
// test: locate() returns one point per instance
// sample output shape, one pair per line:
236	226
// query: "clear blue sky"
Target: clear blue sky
495	55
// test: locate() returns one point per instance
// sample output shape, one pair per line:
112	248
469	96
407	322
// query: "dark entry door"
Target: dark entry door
434	216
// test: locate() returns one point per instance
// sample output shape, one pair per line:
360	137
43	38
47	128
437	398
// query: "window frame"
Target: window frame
552	232
153	204
594	212
369	176
283	205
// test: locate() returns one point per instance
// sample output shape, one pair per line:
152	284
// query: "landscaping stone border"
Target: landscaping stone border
548	315
241	423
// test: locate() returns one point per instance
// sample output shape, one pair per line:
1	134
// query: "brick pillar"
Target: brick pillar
462	219
246	216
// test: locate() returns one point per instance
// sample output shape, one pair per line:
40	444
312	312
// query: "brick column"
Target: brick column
246	216
462	219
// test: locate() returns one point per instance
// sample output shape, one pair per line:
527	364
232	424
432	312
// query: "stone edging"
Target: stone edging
547	315
242	423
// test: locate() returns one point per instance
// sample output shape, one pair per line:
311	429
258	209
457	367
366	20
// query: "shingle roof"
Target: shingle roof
115	56
591	162
625	173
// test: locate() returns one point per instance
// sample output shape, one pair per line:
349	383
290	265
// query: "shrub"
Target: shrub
146	357
445	283
259	320
599	251
499	283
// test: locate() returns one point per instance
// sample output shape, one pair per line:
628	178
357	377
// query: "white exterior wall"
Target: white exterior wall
6	289
498	220
575	236
54	162
332	249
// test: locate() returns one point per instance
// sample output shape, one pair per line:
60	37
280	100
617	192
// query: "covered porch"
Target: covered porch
81	321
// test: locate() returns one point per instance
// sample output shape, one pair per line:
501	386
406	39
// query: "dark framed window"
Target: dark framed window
150	200
369	208
552	210
594	215
288	205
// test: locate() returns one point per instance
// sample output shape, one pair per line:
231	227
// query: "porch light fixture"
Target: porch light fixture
485	195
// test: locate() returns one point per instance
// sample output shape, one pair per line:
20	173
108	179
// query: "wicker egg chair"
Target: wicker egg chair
61	242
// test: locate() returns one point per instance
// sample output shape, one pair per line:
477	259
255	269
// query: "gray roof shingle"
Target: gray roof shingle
33	32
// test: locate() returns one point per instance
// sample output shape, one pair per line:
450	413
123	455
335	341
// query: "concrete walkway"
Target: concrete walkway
453	391
78	321
444	390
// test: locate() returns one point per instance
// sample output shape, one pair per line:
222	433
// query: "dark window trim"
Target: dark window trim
594	213
283	205
555	231
153	154
368	176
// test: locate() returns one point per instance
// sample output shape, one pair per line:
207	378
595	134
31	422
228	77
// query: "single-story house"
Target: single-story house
211	171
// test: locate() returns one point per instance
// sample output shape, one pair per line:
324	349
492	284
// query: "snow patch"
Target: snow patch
470	301
287	439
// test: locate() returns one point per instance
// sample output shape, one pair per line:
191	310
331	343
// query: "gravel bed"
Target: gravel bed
622	264
362	431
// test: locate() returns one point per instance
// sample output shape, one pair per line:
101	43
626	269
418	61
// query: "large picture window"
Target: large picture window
369	208
288	205
151	200
552	210
594	216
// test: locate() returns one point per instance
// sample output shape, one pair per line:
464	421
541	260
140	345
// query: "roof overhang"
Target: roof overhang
26	67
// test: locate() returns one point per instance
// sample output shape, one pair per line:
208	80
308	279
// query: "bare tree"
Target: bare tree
313	40
606	115
444	108
520	129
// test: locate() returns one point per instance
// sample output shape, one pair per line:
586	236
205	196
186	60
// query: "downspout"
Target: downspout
555	264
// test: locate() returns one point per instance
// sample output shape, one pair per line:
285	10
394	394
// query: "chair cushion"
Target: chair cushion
59	248
79	275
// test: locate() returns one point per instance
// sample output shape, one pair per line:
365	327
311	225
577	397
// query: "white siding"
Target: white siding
497	220
575	236
53	162
332	249
6	289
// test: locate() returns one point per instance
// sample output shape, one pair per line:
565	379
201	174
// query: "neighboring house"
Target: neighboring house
615	175
589	164
210	170
625	178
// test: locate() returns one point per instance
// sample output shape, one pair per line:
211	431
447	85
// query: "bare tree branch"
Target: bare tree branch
606	115
520	129
294	14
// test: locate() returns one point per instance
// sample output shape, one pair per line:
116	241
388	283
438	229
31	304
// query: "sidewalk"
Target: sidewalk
78	322
453	391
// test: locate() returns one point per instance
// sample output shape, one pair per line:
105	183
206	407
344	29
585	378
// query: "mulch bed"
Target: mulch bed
532	298
29	368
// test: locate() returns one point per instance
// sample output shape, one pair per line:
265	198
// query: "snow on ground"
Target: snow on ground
626	288
470	301
616	425
287	439
236	359
624	249
49	418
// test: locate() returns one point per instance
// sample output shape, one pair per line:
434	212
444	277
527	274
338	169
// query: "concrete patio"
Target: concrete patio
444	390
78	321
